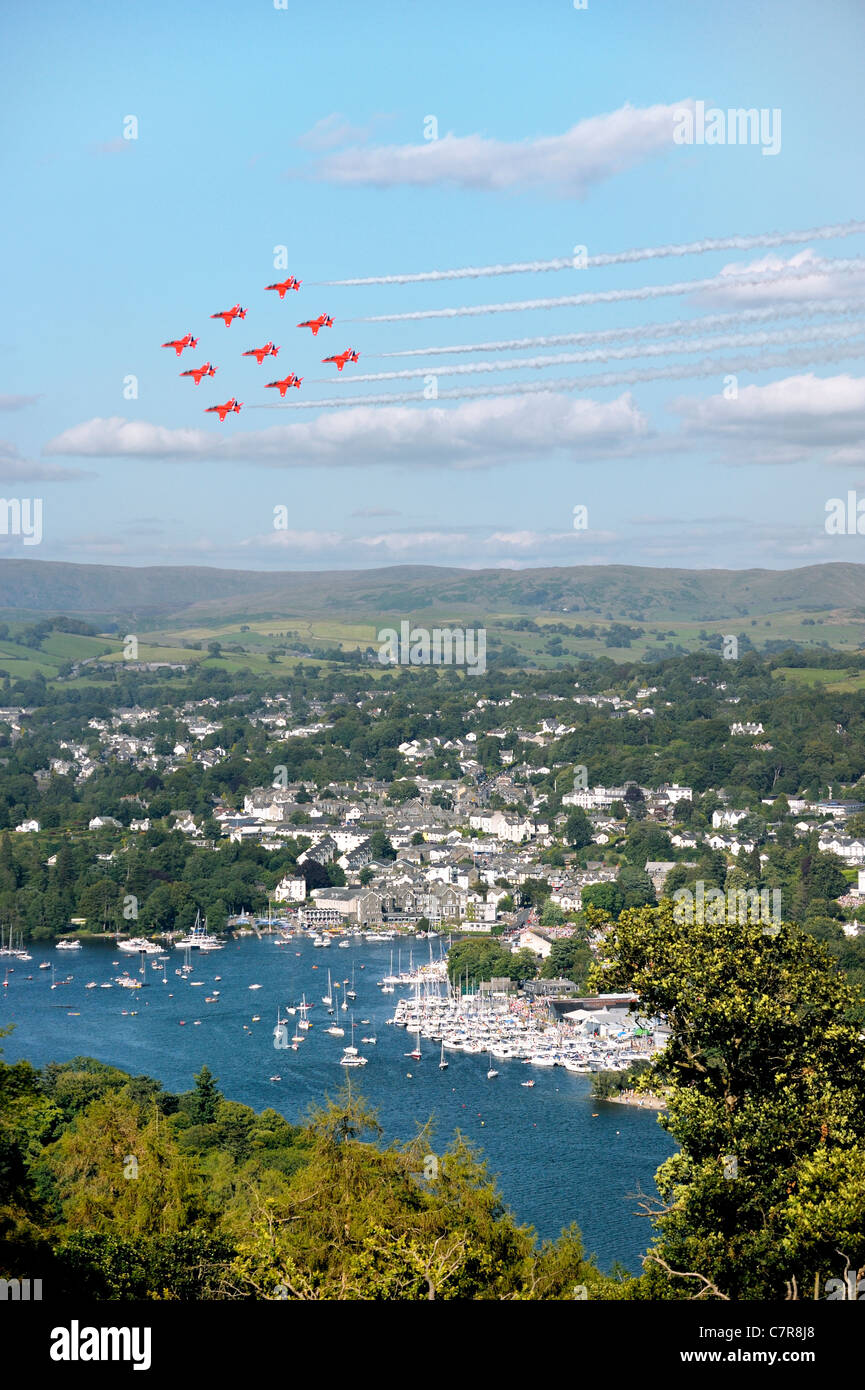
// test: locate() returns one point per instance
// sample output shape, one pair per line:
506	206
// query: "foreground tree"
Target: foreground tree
765	1082
365	1222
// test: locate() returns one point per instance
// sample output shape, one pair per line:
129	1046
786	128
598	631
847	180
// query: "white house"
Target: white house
503	826
731	843
290	890
851	850
530	941
674	793
729	818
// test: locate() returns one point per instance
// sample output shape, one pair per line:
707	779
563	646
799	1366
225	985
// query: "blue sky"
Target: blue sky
304	128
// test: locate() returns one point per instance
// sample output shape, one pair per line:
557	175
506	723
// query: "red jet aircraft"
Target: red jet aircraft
229	314
223	410
323	321
282	285
180	343
198	372
290	380
260	353
342	357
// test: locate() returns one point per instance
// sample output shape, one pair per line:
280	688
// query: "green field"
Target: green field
840	681
268	643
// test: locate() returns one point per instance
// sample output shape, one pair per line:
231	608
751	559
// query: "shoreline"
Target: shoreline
645	1100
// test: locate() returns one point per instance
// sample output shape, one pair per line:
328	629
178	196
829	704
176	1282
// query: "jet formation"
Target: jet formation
270	349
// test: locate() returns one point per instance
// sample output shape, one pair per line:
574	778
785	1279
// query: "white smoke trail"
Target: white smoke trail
810	308
645	253
708	367
812	271
819	333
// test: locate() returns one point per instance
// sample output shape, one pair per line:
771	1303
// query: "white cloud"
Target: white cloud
567	164
784	421
476	434
825	283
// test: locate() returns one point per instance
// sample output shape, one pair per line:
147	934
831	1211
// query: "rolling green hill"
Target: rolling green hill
156	594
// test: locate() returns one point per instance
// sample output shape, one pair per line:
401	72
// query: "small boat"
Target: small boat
371	1041
442	1062
351	1057
276	1078
527	1083
491	1071
45	965
255	986
256	1018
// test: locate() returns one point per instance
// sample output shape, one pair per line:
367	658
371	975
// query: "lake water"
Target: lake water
558	1157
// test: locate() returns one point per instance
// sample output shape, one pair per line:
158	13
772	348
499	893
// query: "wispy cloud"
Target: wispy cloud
17	402
376	511
14	468
335	130
118	146
804	276
568	164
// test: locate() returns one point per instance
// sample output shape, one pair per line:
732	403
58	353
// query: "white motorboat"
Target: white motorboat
199	938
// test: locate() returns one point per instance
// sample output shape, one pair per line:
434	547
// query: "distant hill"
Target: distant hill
30	587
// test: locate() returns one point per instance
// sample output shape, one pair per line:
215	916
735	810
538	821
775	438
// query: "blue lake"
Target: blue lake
557	1156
